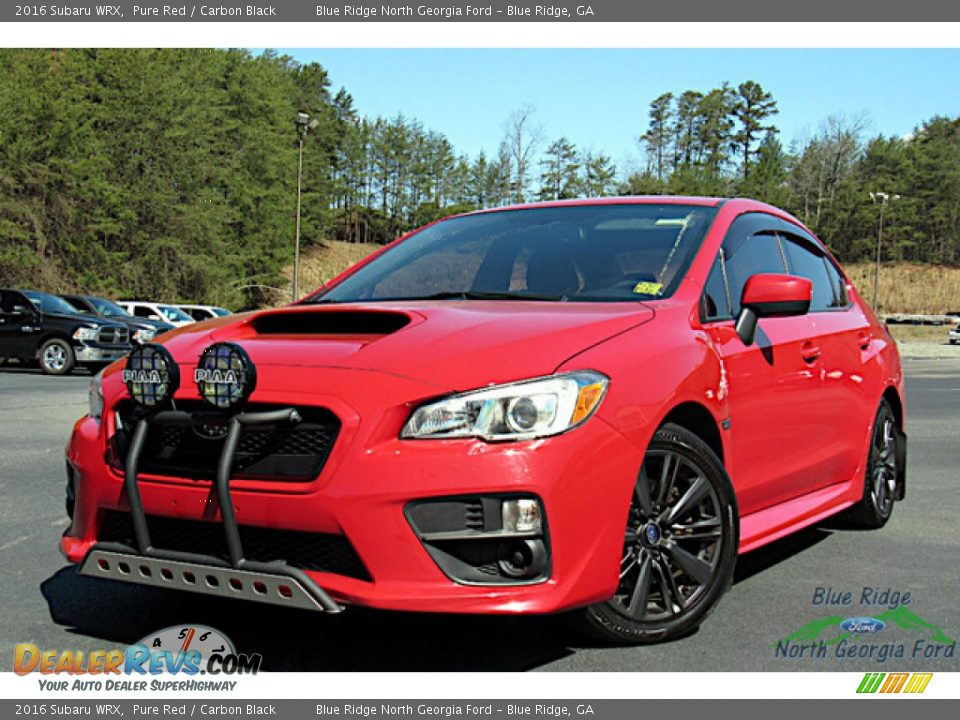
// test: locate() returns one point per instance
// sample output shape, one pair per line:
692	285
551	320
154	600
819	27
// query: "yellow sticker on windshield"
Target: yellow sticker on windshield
647	288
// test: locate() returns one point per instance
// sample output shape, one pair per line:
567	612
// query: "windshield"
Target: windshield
107	308
174	314
47	303
597	253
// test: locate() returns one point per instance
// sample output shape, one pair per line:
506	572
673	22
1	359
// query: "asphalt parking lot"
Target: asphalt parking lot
46	603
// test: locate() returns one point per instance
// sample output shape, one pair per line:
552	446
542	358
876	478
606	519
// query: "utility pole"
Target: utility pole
883	199
304	124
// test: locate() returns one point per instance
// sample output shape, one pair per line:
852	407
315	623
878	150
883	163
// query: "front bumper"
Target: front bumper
100	353
584	480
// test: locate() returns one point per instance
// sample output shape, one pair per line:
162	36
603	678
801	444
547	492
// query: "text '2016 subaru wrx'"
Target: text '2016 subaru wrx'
587	406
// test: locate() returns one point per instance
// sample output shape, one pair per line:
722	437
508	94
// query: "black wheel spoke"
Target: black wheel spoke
701	530
672	599
695	493
668	476
641	591
642	493
699	570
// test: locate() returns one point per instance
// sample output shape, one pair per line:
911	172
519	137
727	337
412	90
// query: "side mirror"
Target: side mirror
771	295
153	317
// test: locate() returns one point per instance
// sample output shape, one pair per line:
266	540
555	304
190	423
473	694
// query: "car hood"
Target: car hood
88	319
454	345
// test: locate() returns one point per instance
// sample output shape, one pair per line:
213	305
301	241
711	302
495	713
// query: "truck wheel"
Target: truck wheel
56	357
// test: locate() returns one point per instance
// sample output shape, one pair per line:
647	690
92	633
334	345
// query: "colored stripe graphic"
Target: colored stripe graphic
918	683
870	682
894	682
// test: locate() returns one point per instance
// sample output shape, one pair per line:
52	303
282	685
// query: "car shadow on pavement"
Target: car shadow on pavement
297	640
756	561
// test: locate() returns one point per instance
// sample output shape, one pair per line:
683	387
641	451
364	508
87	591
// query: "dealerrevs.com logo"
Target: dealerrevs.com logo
180	650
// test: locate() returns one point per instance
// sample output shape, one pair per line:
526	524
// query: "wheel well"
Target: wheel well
698	420
893	397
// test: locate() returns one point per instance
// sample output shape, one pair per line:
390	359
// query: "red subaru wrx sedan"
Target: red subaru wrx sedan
588	406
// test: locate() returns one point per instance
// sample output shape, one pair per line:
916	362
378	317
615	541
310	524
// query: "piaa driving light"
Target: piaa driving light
151	376
225	376
518	411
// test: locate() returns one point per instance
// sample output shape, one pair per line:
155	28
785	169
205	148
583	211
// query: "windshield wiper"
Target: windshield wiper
466	295
487	295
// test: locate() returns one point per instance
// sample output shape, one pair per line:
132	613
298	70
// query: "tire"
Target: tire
56	357
880	479
680	545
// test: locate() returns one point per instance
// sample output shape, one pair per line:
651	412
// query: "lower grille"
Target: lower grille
318	552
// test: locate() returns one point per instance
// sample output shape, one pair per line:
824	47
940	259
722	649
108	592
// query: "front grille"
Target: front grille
113	336
283	452
319	552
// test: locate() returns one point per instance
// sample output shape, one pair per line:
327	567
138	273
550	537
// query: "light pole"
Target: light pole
883	198
304	124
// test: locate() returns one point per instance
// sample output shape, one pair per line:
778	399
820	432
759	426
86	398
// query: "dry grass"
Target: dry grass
322	263
936	334
910	288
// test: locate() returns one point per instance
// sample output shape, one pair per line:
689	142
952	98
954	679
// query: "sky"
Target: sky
599	98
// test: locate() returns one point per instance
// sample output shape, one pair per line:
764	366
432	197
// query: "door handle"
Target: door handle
810	352
863	339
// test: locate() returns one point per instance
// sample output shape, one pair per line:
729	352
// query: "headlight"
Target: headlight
518	411
144	335
85	333
95	396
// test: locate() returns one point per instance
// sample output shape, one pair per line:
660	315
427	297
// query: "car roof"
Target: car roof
738	204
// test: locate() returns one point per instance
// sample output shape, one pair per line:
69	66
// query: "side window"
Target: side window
839	284
716	305
807	261
142	311
748	255
10	299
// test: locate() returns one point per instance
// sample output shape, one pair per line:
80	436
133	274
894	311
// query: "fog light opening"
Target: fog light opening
522	558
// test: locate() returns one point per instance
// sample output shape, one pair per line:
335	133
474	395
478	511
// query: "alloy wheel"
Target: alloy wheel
673	542
884	485
54	358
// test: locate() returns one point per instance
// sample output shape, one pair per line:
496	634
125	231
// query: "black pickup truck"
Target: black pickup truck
40	327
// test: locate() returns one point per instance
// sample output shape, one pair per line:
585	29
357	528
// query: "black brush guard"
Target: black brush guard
207	574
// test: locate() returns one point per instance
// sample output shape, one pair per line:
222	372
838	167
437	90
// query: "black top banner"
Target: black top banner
480	11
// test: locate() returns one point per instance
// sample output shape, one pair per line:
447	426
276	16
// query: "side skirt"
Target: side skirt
773	523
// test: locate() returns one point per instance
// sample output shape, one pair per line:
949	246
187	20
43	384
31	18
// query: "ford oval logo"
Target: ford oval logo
863	625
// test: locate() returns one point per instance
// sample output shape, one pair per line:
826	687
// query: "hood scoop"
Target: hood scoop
330	322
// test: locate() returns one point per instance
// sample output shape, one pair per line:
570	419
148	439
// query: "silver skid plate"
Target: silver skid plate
204	579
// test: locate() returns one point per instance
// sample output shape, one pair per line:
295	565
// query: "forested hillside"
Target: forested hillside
171	173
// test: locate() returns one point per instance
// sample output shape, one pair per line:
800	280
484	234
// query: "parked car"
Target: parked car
954	335
591	406
159	312
142	330
204	312
40	327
